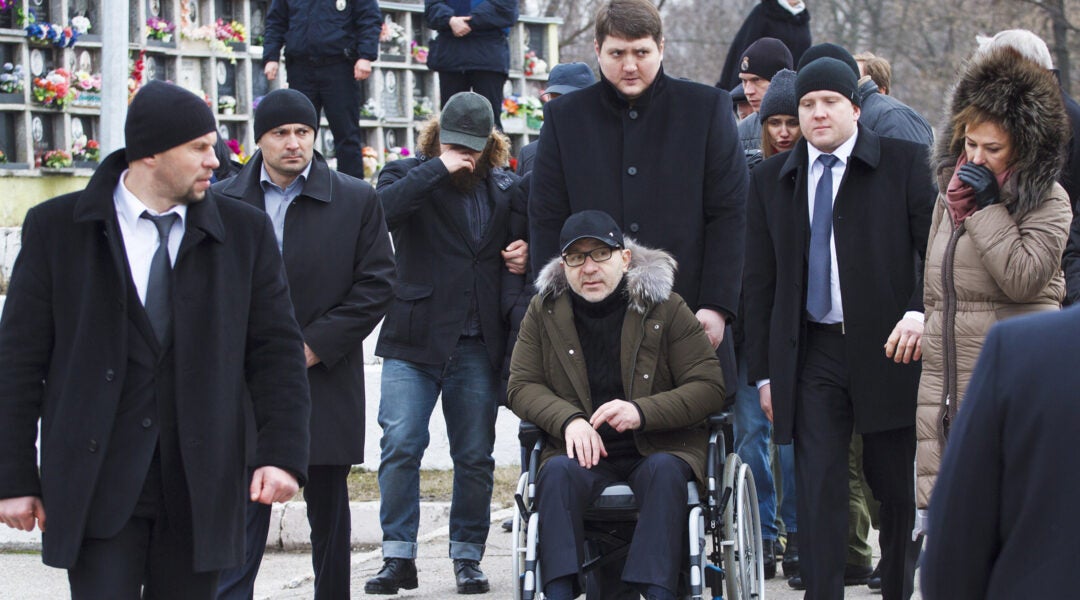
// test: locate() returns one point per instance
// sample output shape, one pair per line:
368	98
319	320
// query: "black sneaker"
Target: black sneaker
470	579
791	556
508	525
768	550
395	573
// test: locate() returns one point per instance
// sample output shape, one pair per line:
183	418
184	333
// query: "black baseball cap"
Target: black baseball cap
595	224
569	77
467	121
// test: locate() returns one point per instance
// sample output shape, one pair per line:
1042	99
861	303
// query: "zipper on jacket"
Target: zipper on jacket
949	379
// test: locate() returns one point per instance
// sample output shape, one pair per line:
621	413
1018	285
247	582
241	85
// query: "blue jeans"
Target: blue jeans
468	384
752	433
787	485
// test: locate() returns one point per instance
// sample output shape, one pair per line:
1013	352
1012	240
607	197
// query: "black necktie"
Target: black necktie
818	282
158	293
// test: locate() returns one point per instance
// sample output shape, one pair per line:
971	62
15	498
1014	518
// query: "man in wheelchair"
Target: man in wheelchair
617	371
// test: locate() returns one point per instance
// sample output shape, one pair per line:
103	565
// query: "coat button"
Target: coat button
645	376
634	227
109	375
633	114
571	351
657	326
147	422
632	171
92	446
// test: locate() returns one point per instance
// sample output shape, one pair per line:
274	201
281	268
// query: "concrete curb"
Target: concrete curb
289	530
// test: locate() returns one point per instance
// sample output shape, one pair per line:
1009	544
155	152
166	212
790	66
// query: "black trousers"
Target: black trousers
332	89
151	557
824	420
327	497
488	84
565	489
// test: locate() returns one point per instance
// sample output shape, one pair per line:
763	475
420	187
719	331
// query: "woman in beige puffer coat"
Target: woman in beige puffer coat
998	231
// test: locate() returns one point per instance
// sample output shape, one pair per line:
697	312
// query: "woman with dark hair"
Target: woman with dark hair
998	231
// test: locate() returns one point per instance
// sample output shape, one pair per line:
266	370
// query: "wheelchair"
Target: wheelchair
727	516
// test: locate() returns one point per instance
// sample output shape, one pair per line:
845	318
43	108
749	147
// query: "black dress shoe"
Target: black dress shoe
857	574
853	575
768	549
470	579
791	556
874	582
395	573
796	582
508	525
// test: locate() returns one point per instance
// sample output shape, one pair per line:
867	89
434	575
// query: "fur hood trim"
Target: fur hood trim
1026	100
649	279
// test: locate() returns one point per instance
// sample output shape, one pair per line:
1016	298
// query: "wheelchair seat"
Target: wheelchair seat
619	497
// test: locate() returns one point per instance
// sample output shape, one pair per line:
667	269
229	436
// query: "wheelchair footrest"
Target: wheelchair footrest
714	578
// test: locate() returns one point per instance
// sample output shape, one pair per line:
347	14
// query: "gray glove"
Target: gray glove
982	180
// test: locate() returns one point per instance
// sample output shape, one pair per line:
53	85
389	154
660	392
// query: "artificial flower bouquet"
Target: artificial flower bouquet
56	159
54	90
86	150
159	29
51	34
11	79
534	65
227	104
230	32
419	53
237	150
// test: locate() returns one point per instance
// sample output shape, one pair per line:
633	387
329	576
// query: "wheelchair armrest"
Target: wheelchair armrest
528	433
719	420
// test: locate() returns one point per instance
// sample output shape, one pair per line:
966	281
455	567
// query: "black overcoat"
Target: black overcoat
439	265
1001	490
63	355
340	266
881	219
668	169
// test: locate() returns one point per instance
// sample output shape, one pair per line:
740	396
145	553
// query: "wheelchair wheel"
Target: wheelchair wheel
518	533
744	563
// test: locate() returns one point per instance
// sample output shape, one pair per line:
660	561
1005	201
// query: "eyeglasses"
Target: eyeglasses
598	255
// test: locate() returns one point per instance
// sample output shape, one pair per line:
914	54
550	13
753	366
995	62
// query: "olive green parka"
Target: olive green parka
669	368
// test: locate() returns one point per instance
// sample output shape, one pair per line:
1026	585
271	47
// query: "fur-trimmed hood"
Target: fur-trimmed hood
1025	100
648	280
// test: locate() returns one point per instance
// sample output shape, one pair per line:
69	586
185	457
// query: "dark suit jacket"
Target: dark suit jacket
1007	486
439	266
881	219
340	265
64	352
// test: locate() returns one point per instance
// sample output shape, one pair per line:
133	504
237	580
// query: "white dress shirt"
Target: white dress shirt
843	154
140	236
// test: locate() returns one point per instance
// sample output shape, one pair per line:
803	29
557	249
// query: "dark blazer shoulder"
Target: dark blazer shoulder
57	207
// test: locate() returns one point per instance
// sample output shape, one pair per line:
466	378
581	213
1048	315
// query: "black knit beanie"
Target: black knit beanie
780	97
832	51
164	116
765	57
827	74
282	107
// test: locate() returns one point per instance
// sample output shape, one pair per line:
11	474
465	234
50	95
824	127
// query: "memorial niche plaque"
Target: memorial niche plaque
225	77
41	133
391	98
